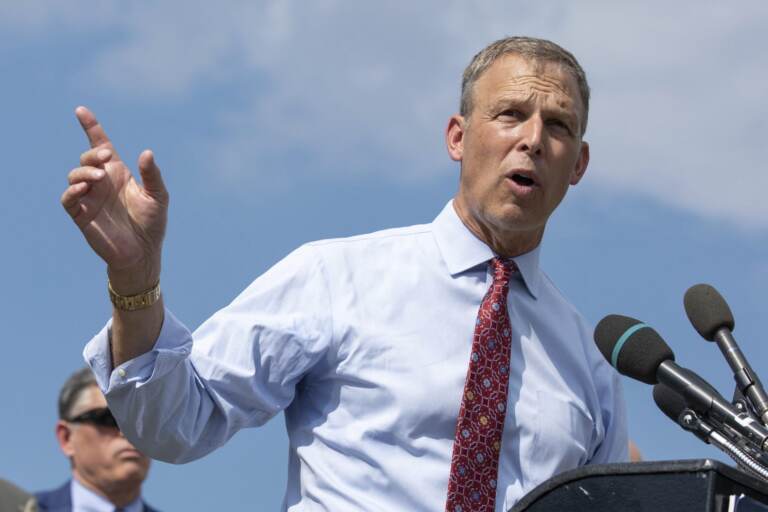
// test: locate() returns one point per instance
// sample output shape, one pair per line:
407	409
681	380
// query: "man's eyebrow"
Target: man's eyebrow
509	101
562	111
568	111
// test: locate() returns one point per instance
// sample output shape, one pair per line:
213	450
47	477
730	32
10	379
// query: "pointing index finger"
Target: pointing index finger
93	130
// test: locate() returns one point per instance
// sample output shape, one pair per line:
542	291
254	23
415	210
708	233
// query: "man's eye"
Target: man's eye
516	114
559	124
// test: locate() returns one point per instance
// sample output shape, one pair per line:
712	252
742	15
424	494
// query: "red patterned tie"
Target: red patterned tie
475	460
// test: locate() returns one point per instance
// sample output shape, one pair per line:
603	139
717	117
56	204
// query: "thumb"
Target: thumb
151	178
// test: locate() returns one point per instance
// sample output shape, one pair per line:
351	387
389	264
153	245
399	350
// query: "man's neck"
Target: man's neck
120	496
506	244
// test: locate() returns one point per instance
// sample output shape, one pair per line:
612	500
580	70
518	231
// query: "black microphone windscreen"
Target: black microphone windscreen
707	310
632	347
669	401
672	401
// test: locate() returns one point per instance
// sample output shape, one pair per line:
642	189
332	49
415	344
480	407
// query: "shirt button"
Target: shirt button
121	373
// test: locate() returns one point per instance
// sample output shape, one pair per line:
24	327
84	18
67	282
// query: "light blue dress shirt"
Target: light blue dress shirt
364	342
85	500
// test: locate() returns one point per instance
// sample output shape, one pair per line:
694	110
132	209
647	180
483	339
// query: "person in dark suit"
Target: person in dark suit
107	470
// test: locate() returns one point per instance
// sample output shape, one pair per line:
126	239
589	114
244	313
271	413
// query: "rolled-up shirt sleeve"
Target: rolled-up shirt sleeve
193	391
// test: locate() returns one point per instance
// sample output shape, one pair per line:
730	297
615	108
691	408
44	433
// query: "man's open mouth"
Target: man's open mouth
523	181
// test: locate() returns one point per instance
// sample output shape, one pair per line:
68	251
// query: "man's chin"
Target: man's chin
131	473
132	467
515	219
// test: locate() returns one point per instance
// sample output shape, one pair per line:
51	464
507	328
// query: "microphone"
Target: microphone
638	351
712	318
673	405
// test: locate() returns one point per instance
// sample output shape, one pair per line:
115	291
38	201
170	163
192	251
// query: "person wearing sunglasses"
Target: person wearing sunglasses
107	470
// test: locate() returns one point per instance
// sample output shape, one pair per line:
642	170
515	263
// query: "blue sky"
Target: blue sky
276	123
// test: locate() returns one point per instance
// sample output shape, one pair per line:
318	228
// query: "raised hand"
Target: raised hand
122	220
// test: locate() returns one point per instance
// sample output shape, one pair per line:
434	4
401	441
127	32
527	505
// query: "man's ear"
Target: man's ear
581	164
64	437
454	137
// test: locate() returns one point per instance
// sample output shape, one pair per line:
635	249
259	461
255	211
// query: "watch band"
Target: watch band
134	302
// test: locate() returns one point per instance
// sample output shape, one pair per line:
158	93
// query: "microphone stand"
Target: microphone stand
690	421
746	379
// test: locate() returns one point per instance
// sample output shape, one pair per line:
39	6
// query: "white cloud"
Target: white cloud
53	15
679	109
348	87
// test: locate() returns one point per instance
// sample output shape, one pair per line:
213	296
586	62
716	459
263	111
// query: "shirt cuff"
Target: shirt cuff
172	346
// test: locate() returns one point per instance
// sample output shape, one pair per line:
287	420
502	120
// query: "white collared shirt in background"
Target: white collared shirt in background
85	500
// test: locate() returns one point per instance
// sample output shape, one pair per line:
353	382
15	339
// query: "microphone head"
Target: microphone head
672	402
707	311
669	401
632	347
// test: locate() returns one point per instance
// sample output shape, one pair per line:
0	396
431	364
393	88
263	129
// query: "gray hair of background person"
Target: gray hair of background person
530	48
70	392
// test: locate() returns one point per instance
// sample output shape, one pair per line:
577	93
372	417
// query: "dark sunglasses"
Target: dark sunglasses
100	417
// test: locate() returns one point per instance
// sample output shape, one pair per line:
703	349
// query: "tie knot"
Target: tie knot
502	269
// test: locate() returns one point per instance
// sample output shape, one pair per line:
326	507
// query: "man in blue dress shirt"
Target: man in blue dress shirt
365	342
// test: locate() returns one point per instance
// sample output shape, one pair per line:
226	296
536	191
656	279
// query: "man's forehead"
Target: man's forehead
513	73
89	398
513	69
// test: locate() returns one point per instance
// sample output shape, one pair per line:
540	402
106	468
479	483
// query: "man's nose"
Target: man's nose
531	135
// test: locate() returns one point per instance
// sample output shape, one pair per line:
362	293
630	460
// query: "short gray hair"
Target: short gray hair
70	392
529	48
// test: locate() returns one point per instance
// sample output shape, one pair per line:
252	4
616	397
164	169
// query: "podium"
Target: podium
703	485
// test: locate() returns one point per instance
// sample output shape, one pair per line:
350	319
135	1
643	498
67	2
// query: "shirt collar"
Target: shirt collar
462	250
87	500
